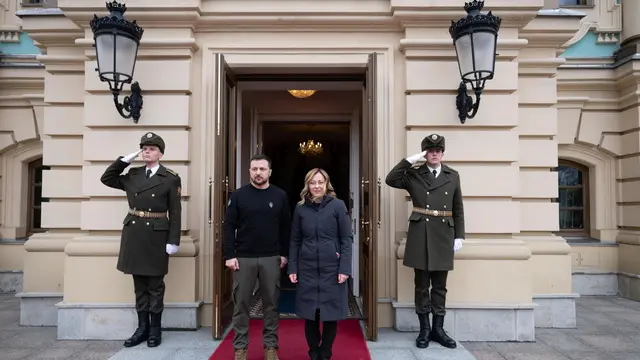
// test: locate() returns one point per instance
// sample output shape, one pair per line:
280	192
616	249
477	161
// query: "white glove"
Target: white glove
414	158
129	158
457	244
172	249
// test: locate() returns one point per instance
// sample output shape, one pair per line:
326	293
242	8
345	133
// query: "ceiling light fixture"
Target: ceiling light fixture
301	94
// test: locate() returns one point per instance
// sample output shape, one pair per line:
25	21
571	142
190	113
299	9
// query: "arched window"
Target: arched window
35	200
573	198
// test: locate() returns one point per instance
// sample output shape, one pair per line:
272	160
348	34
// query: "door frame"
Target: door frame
351	55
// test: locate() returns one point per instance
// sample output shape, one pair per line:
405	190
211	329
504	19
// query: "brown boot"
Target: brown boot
240	354
270	354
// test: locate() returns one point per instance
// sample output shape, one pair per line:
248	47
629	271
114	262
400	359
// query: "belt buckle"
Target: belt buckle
435	212
141	213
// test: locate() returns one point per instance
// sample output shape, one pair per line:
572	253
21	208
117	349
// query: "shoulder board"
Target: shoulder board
452	169
136	169
172	172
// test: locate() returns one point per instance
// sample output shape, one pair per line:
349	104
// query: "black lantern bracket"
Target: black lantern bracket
116	25
473	22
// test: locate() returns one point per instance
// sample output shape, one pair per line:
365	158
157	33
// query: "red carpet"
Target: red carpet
349	345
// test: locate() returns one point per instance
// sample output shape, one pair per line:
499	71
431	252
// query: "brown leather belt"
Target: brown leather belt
148	214
432	212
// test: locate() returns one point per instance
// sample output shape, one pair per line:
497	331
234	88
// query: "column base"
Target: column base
10	281
476	322
39	308
109	321
555	310
592	281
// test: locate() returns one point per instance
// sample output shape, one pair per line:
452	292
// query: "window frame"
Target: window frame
583	4
586	203
32	167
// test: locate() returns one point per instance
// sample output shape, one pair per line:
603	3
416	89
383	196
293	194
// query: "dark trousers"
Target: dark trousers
430	302
149	293
267	271
317	339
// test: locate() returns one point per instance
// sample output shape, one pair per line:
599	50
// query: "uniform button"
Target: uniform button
445	206
427	206
136	194
152	195
148	223
427	219
134	208
442	220
446	193
149	209
133	222
427	193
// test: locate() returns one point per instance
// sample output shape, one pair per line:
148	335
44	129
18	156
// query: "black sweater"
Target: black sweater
257	223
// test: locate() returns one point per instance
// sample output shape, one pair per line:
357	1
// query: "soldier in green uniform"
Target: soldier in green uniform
151	231
436	231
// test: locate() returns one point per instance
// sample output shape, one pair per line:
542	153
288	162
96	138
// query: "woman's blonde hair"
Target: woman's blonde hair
306	194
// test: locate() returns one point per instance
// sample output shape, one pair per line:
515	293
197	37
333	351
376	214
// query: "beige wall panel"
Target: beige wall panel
534	90
441	75
61	215
63	120
629	167
168	75
20	122
62	152
538	153
480	179
630	191
108	145
537	121
98	5
629	215
91	185
73	86
6	140
538	216
62	183
568	121
541	184
446	4
12	256
630	119
476	145
630	142
439	110
158	110
109	214
486	216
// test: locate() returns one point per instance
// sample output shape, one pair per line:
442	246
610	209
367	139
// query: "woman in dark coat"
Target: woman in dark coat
320	261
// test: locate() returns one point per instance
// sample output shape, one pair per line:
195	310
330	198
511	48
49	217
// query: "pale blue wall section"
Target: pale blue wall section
587	47
24	47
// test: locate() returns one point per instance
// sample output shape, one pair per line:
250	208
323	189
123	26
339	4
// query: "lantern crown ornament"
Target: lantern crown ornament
475	40
116	41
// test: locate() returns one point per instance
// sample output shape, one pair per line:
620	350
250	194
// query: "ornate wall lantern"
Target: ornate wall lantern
116	41
474	37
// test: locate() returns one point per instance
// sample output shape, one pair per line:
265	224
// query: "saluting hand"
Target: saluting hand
129	158
342	278
414	158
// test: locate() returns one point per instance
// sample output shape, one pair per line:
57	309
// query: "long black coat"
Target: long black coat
430	238
321	247
143	241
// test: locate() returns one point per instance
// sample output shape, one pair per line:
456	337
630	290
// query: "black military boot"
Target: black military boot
438	335
314	353
142	332
155	331
422	341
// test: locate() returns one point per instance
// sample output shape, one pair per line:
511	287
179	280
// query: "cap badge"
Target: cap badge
434	137
149	135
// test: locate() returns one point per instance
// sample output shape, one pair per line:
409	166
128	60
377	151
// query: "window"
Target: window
35	200
562	3
573	198
32	2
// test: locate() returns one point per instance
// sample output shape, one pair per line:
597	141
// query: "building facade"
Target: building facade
550	166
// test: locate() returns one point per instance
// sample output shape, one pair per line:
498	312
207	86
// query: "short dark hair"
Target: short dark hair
258	157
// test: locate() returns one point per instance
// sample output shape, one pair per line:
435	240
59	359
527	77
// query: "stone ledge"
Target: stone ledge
38	308
629	286
555	310
111	321
11	281
591	281
476	322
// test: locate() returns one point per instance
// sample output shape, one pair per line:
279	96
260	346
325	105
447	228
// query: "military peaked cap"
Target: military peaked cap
152	139
433	141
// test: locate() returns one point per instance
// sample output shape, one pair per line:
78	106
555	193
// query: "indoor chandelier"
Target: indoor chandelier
301	94
310	147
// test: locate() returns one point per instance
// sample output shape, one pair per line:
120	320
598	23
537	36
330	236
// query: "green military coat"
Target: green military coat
430	238
143	241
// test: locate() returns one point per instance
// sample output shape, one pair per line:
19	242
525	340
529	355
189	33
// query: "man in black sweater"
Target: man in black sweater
256	230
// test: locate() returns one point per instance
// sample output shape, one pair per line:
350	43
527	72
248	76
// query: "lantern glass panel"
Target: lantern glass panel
476	55
116	57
